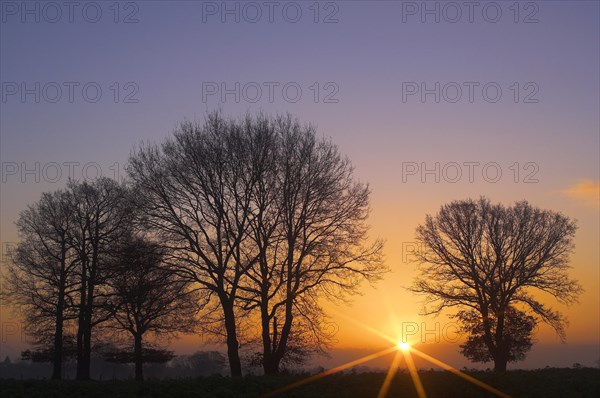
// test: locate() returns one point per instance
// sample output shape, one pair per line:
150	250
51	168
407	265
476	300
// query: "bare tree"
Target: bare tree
148	298
487	258
194	192
102	215
310	230
41	276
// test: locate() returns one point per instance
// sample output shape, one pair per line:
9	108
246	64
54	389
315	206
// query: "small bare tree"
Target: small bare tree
487	258
148	298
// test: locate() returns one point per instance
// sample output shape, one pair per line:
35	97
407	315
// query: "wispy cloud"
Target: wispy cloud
586	192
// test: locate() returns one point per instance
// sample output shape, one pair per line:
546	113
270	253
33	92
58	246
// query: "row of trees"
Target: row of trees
248	222
81	265
240	228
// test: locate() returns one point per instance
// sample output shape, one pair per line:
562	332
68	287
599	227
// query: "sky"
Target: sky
432	102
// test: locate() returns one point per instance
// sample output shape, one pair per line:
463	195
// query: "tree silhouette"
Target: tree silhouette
265	217
309	225
60	266
518	329
103	214
148	298
487	258
41	276
194	195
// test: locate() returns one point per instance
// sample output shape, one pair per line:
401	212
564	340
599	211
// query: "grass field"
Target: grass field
550	382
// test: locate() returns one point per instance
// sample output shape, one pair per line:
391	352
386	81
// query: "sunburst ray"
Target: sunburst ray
328	372
390	375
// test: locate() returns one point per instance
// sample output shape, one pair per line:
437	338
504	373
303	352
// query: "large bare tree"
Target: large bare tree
311	234
486	258
195	194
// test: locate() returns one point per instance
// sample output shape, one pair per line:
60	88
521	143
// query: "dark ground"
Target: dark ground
548	382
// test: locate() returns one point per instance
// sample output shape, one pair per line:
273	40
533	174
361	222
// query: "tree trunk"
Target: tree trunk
501	357
87	335
84	342
139	370
58	342
89	312
280	352
80	359
81	327
280	343
58	332
269	346
58	349
87	351
500	362
270	365
281	349
233	355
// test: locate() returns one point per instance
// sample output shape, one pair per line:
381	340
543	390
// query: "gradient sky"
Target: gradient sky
177	47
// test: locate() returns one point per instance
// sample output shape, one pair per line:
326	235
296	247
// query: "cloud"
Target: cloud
586	192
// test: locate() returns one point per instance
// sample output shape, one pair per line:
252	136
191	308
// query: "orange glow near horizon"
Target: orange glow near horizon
403	350
388	304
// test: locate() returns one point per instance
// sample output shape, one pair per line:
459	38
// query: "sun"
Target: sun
403	346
